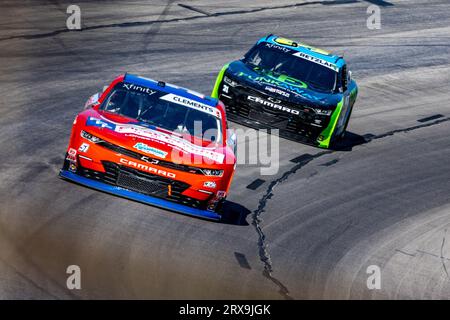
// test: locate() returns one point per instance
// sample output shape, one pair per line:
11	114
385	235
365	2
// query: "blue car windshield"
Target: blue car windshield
276	61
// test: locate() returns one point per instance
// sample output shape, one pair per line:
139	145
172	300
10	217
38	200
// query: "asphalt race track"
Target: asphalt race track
310	231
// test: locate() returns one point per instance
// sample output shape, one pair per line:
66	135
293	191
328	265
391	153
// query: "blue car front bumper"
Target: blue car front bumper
157	202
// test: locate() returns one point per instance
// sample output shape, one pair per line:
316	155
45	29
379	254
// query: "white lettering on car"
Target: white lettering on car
273	105
191	104
131	86
147	168
316	60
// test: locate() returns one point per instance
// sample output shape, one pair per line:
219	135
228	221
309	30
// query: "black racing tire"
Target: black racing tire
341	136
219	208
66	163
336	138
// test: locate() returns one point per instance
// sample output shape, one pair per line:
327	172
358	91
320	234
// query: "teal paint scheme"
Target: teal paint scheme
263	98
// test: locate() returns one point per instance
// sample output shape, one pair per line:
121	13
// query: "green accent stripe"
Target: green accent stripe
354	93
328	132
215	92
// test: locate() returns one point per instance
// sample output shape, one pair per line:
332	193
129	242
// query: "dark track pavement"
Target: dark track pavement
381	199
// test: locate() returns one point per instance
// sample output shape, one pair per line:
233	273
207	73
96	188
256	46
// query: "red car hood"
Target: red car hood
150	141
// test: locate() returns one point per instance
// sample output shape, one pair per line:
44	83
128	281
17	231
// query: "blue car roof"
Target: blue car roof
305	48
170	88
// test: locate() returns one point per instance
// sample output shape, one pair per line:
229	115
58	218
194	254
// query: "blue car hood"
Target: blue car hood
297	91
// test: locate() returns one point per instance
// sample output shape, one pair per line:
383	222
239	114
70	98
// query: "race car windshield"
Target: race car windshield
153	108
278	62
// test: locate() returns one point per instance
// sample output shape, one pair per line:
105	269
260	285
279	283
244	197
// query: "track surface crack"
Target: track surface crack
264	254
442	257
303	160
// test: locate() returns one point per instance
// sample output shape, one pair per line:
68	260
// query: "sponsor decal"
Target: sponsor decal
191	104
151	150
316	60
171	140
147	168
95	122
276	79
273	105
275	90
132	135
72	167
287	83
72	155
131	86
84	147
274	46
209	184
160	137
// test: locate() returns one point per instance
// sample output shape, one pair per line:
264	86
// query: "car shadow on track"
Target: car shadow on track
234	213
349	141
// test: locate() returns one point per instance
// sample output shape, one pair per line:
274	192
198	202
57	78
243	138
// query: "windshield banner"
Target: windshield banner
191	104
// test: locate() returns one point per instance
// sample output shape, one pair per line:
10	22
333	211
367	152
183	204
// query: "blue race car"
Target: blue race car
305	92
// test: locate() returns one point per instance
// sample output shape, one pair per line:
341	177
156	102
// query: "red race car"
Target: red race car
155	143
